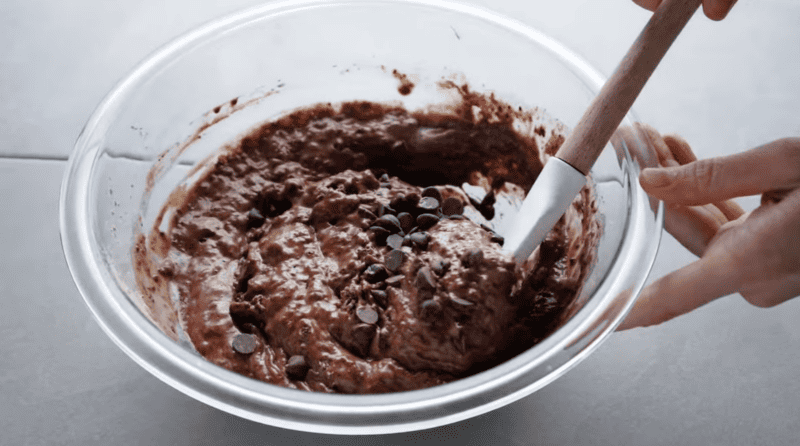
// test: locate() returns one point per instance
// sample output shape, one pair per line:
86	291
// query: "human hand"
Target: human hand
756	254
714	9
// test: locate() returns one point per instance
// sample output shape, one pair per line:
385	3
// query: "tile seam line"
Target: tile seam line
22	158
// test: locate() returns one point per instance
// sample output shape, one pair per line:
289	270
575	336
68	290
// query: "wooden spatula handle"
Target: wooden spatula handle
601	119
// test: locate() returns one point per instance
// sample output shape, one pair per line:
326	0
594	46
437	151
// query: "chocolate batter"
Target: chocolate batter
332	251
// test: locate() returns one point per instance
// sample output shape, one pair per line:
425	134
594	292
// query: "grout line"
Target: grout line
20	157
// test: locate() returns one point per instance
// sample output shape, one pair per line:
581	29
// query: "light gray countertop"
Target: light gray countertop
725	374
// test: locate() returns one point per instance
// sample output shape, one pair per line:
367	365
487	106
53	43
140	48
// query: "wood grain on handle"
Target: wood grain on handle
601	119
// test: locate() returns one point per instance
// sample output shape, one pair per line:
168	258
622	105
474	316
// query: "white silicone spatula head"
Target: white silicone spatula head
564	175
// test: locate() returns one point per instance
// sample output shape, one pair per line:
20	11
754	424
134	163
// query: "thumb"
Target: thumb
680	292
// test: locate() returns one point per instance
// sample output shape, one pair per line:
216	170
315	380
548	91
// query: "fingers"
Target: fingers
773	166
626	137
757	255
673	151
717	9
665	158
648	4
683	154
681	292
713	9
730	209
692	227
680	149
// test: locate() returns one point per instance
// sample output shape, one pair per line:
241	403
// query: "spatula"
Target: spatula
564	174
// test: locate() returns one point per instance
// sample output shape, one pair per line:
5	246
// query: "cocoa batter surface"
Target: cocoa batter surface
334	250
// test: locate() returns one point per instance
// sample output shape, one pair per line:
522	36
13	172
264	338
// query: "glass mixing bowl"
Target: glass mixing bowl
177	108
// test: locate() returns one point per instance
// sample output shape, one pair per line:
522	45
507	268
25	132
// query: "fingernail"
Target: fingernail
655	177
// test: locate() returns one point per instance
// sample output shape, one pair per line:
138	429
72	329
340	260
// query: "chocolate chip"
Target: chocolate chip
425	280
366	213
389	222
489	199
244	343
255	213
375	273
472	258
412	200
486	208
394	241
455	217
452	206
297	367
432	192
428	204
380	234
407	240
430	310
398	202
425	221
497	238
367	314
395	280
384	177
406	221
440	267
420	239
380	297
460	301
394	260
361	338
254	218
